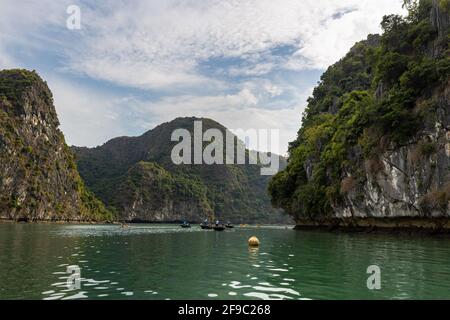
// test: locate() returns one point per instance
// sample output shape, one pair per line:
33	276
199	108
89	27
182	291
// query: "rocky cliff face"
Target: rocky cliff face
137	177
38	177
411	180
375	141
440	17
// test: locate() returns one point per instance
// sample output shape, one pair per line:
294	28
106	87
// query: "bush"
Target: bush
420	75
390	67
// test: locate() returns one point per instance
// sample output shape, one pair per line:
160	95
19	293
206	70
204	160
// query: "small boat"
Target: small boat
219	227
185	225
229	225
205	226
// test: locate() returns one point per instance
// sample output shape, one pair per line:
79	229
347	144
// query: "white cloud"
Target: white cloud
165	46
87	117
140	74
6	61
257	69
324	45
273	90
90	118
156	45
242	110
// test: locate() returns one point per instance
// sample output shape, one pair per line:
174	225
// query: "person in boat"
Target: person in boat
217	222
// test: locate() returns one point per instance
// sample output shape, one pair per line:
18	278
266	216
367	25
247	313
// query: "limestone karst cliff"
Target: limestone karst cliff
38	176
375	139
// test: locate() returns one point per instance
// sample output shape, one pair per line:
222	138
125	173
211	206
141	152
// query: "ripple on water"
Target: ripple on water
276	290
79	295
265	284
237	285
279	269
114	230
265	290
265	296
56	297
48	292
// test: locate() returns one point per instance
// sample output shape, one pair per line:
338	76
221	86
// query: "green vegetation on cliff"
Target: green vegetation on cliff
38	175
381	95
137	177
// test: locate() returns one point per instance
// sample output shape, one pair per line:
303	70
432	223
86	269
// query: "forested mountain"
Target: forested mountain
136	178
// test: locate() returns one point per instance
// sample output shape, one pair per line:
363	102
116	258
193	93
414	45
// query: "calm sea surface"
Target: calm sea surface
167	262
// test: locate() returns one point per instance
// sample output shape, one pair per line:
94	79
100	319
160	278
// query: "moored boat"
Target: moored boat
219	227
185	225
206	225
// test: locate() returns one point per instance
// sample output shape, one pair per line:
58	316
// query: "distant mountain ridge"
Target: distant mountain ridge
136	177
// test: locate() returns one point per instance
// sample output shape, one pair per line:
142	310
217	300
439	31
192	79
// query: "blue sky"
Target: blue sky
248	64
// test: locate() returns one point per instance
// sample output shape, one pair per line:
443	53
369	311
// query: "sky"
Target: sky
133	64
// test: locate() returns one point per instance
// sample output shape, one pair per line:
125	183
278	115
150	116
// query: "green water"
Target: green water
168	262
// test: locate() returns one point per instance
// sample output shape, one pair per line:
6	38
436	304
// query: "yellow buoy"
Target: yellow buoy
253	242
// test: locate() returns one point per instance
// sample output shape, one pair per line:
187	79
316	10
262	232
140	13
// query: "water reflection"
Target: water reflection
168	262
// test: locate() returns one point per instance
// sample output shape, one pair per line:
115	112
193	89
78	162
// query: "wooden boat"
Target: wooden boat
229	225
185	225
219	227
205	226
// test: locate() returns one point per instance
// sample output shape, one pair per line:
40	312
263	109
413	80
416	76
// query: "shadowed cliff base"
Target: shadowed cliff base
379	225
